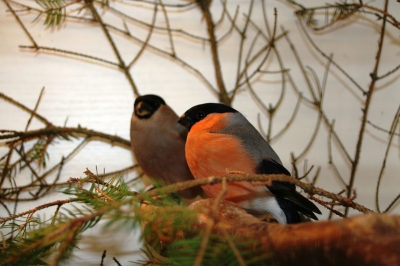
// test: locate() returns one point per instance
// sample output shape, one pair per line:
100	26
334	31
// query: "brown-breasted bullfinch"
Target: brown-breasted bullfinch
158	144
222	140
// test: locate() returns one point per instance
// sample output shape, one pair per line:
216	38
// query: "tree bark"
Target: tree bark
371	239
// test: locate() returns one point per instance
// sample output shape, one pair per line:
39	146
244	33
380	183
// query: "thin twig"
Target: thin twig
242	34
116	261
20	23
233	246
389	144
222	94
146	42
40	207
325	118
330	157
289	122
35	109
392	203
318	102
26	109
103	256
219	197
103	194
122	65
177	31
373	75
388	73
332	61
210	224
72	231
382	129
180	61
232	21
170	37
44	48
19	136
308	188
204	242
325	204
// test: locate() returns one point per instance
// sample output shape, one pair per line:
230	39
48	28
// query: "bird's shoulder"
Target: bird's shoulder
239	127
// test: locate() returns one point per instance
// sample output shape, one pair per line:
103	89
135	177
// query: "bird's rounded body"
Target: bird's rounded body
220	141
211	152
158	144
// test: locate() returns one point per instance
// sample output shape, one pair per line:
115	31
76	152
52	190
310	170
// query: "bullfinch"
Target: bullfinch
158	143
222	140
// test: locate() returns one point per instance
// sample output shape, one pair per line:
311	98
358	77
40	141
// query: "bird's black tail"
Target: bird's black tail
288	198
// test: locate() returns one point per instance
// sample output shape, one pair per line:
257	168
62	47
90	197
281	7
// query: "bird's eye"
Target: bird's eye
156	104
200	115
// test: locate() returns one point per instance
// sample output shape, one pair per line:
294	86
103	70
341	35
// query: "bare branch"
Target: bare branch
367	104
389	144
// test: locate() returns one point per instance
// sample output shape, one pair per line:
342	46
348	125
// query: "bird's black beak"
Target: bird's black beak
186	121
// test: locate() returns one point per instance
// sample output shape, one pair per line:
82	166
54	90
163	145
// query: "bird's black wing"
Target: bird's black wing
287	192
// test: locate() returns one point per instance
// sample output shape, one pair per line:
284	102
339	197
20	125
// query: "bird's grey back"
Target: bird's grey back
251	139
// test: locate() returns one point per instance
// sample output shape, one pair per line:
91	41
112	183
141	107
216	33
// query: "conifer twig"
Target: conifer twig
210	224
40	207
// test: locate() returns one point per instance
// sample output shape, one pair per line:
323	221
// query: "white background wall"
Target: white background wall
97	96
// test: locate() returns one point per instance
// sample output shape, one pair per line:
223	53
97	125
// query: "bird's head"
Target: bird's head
201	111
145	106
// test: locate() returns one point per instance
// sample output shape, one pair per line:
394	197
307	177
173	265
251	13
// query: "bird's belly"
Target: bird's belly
219	157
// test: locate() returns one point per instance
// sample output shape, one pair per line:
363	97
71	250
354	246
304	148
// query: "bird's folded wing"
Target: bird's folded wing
287	190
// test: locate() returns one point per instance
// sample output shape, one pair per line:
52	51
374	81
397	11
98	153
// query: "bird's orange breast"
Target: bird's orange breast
210	154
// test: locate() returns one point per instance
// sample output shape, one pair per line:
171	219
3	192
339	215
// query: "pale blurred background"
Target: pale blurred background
98	96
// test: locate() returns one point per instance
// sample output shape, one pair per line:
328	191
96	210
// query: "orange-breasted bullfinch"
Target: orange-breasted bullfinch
158	144
222	140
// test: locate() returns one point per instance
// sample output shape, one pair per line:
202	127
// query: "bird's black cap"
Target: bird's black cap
199	112
146	105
